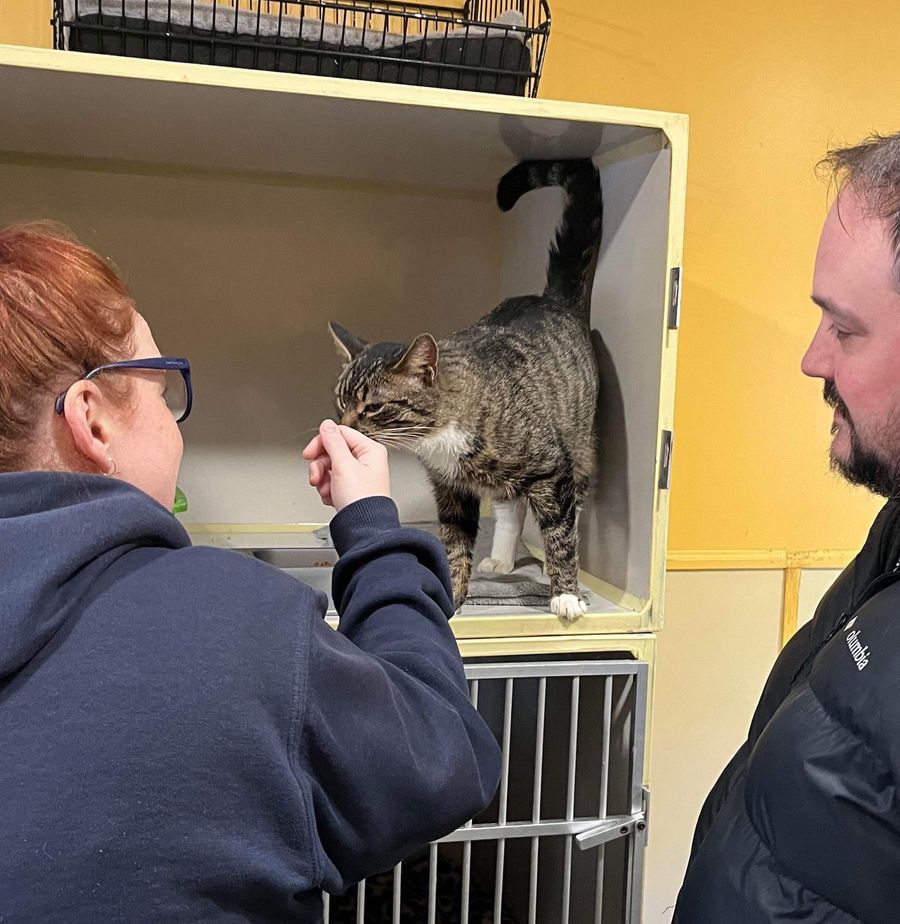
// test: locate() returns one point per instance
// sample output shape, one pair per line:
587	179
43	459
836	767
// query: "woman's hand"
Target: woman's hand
345	466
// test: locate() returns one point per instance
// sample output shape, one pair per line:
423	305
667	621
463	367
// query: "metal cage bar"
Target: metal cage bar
516	669
467	847
398	892
432	884
602	810
504	795
361	902
536	798
570	796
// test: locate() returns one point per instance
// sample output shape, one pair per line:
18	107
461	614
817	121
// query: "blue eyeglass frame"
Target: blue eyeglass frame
156	364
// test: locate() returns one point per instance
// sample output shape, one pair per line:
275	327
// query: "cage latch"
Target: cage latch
610	829
674	297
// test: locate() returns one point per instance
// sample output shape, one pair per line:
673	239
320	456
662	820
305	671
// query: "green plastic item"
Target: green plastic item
181	504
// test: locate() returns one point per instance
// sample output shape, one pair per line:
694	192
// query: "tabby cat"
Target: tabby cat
504	408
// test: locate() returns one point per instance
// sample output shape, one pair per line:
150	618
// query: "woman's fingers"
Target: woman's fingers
315	472
346	466
313	448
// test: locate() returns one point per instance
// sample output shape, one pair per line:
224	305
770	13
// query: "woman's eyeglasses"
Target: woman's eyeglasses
179	395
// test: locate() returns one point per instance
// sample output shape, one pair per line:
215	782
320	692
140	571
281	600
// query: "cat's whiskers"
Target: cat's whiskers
406	429
412	433
400	437
399	440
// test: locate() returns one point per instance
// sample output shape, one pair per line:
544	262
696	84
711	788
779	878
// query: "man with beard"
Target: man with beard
804	822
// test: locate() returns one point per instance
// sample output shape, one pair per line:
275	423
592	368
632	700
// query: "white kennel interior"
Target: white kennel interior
246	210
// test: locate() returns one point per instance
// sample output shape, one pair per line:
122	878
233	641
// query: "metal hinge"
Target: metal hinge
665	459
645	802
674	297
609	829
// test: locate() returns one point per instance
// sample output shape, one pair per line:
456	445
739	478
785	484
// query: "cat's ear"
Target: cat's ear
348	346
420	360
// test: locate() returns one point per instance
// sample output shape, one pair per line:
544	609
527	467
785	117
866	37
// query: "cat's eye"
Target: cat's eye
374	408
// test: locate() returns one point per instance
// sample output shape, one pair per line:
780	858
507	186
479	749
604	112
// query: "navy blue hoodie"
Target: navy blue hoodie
182	736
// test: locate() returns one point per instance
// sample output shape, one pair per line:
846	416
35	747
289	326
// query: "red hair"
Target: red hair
63	312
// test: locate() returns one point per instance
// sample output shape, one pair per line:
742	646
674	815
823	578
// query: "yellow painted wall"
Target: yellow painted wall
26	22
767	87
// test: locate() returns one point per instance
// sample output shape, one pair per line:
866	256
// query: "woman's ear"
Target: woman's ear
87	413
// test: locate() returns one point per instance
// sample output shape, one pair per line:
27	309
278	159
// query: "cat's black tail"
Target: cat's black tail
573	256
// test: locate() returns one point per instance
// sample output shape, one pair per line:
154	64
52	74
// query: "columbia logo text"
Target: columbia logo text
859	651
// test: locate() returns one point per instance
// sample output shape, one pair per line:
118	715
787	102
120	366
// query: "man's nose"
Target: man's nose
816	361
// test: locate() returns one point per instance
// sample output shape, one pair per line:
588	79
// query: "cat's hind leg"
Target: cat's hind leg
555	504
509	518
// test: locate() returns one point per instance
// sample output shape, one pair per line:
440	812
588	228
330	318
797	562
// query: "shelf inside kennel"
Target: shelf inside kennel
298	552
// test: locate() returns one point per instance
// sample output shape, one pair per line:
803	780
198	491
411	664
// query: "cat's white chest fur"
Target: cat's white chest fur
442	450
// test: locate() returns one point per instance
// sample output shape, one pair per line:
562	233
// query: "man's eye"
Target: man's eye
838	333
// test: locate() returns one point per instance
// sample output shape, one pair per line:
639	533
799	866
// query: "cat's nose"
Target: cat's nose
350	419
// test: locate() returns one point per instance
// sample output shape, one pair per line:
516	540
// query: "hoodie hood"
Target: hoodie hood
59	532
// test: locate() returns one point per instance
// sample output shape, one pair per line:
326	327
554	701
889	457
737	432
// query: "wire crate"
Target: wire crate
564	840
493	46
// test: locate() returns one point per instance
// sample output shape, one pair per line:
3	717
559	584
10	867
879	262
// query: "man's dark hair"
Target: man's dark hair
872	169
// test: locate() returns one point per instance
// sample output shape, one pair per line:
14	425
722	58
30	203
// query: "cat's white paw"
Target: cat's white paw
496	566
568	607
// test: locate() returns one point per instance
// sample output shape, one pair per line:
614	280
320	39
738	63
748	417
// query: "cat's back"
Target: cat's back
528	325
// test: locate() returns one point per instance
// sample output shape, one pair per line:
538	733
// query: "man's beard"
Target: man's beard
862	466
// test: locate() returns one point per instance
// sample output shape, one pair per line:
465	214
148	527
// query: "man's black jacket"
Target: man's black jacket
804	822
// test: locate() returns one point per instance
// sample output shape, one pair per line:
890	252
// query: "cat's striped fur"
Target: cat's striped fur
505	407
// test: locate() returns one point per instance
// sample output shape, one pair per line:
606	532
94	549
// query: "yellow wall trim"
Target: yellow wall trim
755	559
790	604
725	559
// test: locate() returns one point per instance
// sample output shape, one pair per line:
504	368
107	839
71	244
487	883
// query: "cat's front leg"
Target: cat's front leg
458	511
555	506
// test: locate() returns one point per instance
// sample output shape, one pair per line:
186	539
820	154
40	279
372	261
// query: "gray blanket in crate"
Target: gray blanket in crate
230	19
526	586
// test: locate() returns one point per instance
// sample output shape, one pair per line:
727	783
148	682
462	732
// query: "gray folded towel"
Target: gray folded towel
527	585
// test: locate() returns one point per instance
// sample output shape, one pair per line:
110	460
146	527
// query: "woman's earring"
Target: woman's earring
114	469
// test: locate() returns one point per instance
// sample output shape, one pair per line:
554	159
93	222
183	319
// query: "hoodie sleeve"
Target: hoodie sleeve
398	756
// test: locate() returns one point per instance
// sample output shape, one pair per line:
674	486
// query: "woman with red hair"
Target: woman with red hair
182	736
